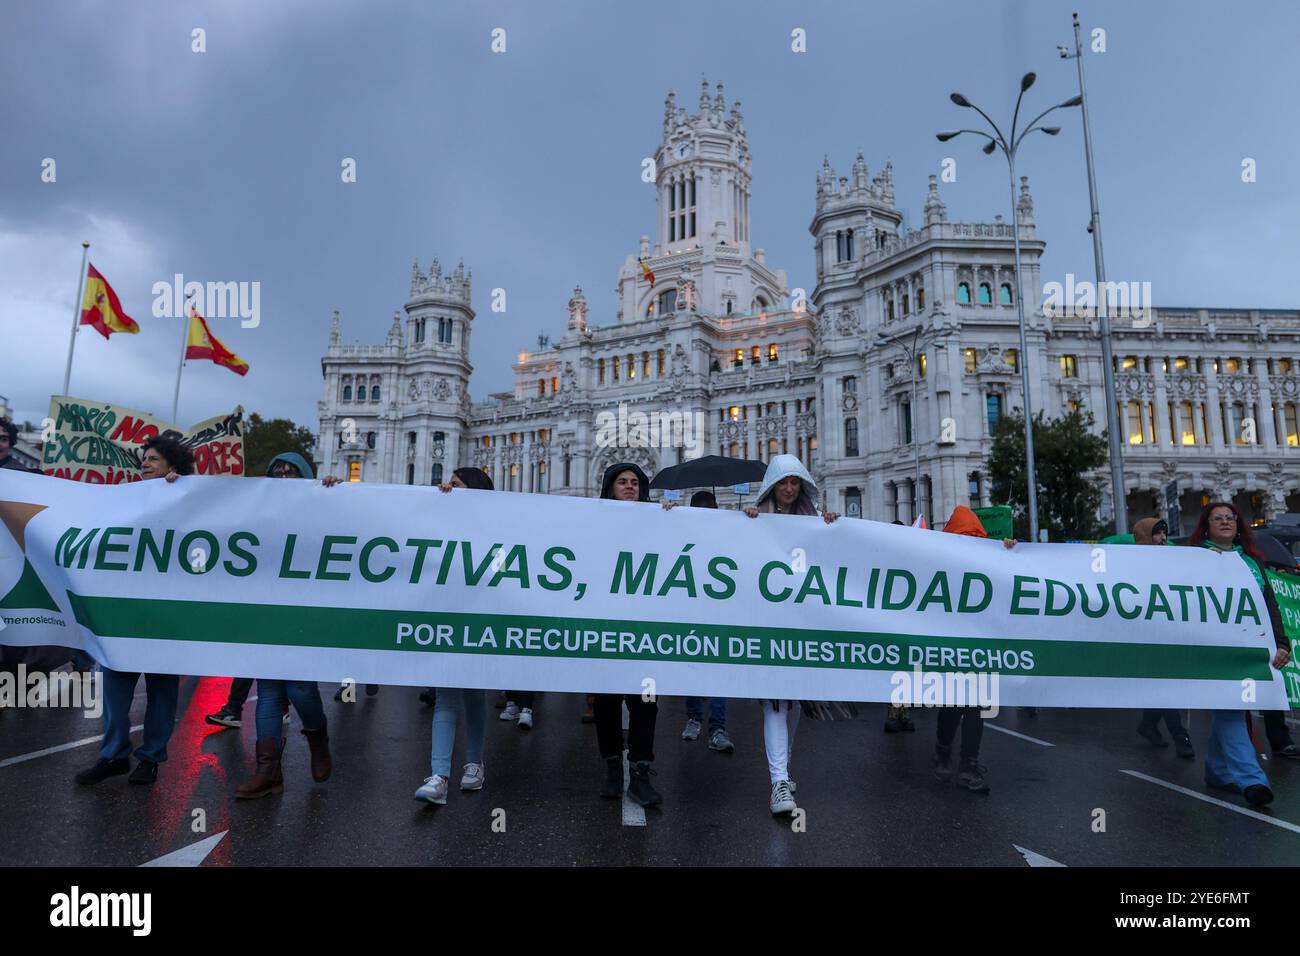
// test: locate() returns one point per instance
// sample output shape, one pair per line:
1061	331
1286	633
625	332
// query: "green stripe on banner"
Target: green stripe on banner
599	639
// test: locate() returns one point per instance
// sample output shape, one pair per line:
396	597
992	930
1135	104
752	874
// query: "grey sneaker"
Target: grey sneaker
511	711
782	798
719	741
473	778
692	731
434	790
526	719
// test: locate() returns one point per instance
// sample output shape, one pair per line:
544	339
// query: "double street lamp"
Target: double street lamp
1010	145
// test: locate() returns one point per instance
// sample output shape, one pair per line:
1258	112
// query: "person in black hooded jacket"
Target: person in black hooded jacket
626	482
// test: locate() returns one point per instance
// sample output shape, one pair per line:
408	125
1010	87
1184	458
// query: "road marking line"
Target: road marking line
1003	730
1217	802
10	761
191	855
1036	859
633	812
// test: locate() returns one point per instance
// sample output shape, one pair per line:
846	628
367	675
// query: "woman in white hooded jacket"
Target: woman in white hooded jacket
787	489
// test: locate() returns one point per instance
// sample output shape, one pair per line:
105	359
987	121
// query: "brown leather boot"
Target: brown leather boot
321	763
268	779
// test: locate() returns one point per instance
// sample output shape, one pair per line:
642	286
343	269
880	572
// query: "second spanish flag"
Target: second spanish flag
204	345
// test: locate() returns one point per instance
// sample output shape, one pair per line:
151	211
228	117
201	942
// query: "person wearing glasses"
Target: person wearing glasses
1230	761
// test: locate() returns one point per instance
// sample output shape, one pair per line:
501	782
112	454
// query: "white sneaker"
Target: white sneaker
511	711
782	798
526	719
434	790
692	731
473	778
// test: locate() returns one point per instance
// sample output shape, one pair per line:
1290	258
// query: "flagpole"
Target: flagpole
76	314
185	340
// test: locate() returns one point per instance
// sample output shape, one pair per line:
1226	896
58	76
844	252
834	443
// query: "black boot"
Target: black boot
1152	733
613	786
970	776
102	770
639	789
1183	747
943	763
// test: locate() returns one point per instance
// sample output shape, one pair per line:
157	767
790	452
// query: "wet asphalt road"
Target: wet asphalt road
869	798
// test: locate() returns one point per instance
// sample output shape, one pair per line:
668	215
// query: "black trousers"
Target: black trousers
239	688
640	726
1275	728
523	698
1173	720
972	729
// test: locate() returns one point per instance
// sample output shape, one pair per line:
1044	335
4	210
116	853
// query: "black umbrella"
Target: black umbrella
711	471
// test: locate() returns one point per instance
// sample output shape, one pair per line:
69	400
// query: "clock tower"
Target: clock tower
702	175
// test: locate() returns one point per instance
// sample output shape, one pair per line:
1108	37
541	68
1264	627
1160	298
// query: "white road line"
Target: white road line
59	748
10	761
1217	802
633	812
191	855
1036	859
1003	730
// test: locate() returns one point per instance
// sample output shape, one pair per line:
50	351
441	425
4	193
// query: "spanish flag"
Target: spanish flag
645	271
204	345
101	308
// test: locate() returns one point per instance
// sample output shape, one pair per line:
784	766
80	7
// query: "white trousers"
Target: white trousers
779	725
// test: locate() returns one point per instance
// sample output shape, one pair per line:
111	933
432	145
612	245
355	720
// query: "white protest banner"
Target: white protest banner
103	444
397	584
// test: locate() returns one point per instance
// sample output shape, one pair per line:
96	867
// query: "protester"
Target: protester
9	438
1230	760
274	696
165	458
719	739
787	489
970	775
1155	531
626	482
450	700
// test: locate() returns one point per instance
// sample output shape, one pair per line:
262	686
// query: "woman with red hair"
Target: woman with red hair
1230	761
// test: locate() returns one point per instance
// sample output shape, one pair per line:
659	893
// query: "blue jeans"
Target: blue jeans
444	726
1230	759
161	691
271	695
717	711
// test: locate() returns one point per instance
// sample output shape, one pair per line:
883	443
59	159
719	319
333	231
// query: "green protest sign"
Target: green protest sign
996	520
1286	588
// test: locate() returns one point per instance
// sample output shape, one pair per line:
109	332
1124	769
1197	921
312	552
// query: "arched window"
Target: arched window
370	439
907	304
347	393
986	294
760	303
437	474
963	293
374	393
1004	294
920	299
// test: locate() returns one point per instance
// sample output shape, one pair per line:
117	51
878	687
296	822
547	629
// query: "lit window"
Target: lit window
645	364
1134	423
739	359
969	359
487	441
734	413
1071	406
1069	366
771	352
963	293
1180	364
354	471
660	369
515	439
921	365
756	355
1185	427
600	371
1283	366
618	364
1233	366
555	384
541	386
631	367
1013	358
1292	432
1130	362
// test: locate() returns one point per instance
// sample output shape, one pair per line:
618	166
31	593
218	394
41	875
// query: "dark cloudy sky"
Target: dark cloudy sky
225	165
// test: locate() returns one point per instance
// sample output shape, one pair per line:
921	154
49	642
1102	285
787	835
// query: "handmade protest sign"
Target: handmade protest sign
103	444
1286	588
410	585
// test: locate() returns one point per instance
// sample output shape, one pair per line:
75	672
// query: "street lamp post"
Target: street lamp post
1107	356
1010	146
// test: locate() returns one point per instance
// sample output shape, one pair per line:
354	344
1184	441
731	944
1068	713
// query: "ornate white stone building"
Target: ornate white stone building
886	380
